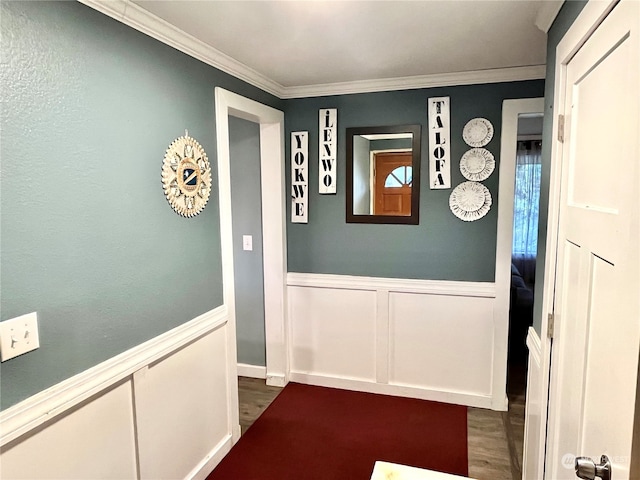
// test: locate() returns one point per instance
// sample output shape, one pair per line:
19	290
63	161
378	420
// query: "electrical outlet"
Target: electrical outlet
247	242
19	335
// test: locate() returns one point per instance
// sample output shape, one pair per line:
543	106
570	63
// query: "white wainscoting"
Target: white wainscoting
533	461
162	410
425	339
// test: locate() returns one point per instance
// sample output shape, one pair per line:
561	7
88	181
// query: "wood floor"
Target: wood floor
495	438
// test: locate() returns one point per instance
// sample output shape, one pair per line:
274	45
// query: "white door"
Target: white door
597	302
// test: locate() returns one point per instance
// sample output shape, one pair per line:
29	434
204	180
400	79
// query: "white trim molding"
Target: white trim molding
511	110
274	247
409	391
142	20
351	282
54	401
208	463
535	411
251	371
534	344
547	13
495	75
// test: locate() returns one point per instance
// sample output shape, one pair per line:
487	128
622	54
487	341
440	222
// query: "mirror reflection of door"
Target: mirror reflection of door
392	183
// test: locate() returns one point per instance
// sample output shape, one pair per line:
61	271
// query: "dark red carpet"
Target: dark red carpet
330	434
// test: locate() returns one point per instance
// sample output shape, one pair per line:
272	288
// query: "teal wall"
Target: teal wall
441	247
361	176
246	199
567	15
88	239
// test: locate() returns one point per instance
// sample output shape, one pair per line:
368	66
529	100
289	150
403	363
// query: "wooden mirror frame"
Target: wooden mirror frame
412	219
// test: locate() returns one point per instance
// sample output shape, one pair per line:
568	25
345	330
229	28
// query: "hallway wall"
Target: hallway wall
88	238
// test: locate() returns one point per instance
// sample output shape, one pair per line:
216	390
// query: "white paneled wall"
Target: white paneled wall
162	410
424	339
441	342
168	408
333	333
94	440
174	405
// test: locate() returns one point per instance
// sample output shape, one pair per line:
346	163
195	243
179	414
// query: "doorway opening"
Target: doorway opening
526	203
516	239
271	147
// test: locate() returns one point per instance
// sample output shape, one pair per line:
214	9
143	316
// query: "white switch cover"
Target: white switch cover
19	335
247	242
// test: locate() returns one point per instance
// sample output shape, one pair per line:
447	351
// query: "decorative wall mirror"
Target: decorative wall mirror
383	174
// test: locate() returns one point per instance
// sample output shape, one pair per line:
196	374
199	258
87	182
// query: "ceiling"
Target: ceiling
304	43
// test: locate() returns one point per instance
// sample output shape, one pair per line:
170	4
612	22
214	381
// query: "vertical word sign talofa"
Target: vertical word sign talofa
299	182
439	144
328	153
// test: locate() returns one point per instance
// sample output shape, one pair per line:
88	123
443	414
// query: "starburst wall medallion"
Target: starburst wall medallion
186	176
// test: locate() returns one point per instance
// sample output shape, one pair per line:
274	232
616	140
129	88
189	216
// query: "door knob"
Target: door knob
587	468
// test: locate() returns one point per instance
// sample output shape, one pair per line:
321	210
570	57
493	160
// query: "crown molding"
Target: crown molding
496	75
547	13
140	19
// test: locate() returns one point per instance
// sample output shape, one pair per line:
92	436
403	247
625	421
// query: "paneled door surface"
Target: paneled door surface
597	299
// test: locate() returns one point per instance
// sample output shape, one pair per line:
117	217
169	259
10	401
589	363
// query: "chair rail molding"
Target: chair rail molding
56	400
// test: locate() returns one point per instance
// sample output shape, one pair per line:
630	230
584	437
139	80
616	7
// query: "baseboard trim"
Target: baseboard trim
42	407
251	371
211	461
459	398
396	285
276	380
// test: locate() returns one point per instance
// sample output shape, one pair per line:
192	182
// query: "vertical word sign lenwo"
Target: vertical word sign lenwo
439	144
328	154
299	182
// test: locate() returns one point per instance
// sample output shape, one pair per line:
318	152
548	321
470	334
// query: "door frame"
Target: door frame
585	24
511	109
272	179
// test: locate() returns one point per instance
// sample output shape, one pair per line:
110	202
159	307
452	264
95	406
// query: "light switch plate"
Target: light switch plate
247	242
19	335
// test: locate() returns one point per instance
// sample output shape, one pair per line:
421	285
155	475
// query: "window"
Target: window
399	177
526	206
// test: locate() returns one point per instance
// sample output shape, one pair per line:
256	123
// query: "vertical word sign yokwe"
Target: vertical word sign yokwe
328	154
299	182
439	144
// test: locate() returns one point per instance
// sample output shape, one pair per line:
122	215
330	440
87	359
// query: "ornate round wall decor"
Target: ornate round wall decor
470	201
477	164
186	176
477	132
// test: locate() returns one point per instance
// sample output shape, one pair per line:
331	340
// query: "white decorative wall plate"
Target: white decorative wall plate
477	164
186	176
470	201
477	132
